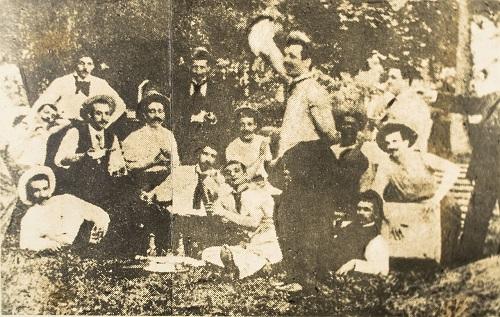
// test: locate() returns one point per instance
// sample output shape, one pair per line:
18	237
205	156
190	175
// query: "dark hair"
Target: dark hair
233	162
201	54
248	113
360	117
378	205
39	177
148	98
206	144
306	47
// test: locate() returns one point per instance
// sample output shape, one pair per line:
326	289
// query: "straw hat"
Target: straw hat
86	108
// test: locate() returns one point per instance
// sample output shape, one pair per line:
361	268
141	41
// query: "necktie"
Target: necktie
100	141
237	201
198	192
83	86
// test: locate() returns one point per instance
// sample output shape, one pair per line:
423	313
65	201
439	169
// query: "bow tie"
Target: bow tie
83	86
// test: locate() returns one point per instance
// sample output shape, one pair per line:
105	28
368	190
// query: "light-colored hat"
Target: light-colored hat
28	175
87	104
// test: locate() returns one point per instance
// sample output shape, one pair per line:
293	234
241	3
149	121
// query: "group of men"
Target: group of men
316	204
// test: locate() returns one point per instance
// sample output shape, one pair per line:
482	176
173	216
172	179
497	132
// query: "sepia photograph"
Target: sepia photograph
250	157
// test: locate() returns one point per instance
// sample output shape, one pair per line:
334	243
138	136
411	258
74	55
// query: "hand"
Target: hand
96	154
430	205
148	197
347	267
396	232
119	172
211	118
96	235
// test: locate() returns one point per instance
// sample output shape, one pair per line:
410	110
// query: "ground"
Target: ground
65	283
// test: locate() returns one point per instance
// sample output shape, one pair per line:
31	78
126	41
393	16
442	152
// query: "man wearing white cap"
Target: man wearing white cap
52	222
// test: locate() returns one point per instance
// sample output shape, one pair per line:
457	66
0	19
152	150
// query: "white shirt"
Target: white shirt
249	152
142	146
180	185
56	222
298	125
62	93
377	257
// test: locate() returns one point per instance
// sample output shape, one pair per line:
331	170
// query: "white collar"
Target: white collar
203	88
337	149
300	78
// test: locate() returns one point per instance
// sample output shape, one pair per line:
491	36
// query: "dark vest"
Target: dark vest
89	179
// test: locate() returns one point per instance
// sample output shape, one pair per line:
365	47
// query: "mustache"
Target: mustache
156	119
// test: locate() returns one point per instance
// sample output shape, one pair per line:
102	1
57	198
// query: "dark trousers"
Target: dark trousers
485	196
304	238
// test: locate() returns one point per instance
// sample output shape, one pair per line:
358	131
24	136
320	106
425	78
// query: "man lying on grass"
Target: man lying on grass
53	222
251	207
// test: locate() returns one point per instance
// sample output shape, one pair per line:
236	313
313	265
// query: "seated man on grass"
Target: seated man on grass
359	246
251	208
53	222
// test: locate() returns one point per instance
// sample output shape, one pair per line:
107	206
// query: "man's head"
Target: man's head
97	111
47	113
38	189
200	64
36	185
235	173
248	122
370	208
395	139
207	157
84	66
297	54
349	124
152	108
395	82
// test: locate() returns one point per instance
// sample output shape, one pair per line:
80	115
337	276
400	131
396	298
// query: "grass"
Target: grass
66	283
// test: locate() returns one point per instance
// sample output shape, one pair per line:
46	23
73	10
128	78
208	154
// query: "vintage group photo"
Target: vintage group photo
257	157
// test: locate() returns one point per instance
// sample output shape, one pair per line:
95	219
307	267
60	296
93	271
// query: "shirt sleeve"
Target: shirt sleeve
175	161
94	214
67	148
377	258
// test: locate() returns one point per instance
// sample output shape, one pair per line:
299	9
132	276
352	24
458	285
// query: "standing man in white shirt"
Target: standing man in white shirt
69	92
52	222
308	114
